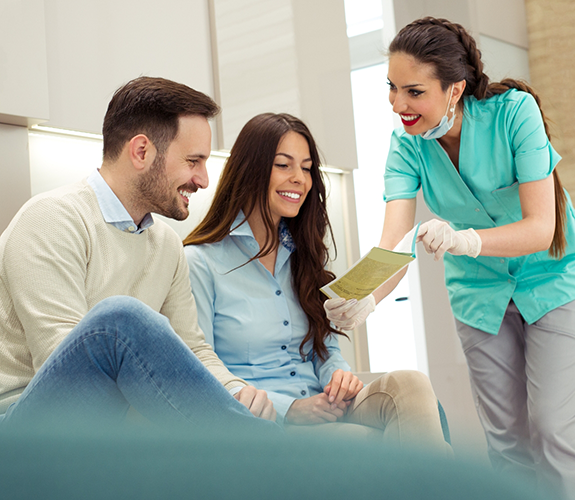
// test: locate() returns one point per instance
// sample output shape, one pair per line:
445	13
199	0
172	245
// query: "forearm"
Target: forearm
533	233
523	237
388	287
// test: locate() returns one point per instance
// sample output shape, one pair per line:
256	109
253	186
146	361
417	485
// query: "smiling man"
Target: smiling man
95	303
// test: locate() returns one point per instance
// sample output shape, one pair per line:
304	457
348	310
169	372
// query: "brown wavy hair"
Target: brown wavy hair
244	185
453	54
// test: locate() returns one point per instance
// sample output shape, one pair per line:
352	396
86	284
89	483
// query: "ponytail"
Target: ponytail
559	244
453	54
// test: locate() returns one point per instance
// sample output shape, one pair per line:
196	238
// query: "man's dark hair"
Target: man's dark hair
151	106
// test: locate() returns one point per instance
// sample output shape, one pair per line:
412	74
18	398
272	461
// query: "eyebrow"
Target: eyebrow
291	157
194	157
411	85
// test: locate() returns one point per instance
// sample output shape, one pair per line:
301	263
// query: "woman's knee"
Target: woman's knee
550	427
405	381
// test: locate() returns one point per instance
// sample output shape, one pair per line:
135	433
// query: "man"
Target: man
96	312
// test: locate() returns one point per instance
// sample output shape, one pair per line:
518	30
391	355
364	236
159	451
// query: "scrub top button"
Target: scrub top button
292	374
284	347
303	393
278	292
478	210
510	281
286	322
502	261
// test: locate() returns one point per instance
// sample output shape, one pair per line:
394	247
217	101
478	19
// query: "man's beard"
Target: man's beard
153	189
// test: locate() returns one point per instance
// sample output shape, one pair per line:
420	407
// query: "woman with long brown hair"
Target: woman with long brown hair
480	152
257	262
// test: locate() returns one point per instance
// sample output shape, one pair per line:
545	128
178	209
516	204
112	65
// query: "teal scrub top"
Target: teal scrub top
503	144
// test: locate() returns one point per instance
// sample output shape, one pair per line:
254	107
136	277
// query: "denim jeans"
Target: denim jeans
125	354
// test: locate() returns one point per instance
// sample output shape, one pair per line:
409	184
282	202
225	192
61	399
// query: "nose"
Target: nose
200	177
298	175
397	102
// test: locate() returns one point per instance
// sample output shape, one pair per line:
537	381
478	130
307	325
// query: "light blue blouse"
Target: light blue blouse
503	144
253	319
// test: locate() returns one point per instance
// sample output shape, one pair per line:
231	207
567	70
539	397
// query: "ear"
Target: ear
458	88
141	152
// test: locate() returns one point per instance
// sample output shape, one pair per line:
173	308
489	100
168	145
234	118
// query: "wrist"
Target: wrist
474	241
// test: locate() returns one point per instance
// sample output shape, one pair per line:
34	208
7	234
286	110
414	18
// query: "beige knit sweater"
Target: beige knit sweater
58	258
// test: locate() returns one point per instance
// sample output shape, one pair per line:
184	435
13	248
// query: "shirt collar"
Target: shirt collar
285	236
113	211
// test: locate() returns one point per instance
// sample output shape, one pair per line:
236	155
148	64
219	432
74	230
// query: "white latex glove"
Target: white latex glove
438	237
349	314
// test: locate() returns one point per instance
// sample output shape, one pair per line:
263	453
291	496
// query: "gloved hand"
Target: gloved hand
349	314
438	237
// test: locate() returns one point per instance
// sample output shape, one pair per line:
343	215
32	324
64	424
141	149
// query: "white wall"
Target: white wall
23	67
94	46
61	61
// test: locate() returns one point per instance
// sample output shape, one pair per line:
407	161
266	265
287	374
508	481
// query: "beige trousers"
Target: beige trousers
399	407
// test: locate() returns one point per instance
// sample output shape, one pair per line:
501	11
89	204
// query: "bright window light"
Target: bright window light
390	330
363	16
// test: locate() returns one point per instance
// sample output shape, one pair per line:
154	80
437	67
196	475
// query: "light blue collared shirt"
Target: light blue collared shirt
253	318
112	209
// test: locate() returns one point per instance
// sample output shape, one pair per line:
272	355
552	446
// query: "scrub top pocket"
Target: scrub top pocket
508	207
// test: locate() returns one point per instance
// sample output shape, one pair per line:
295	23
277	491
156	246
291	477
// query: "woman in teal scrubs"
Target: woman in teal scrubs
480	153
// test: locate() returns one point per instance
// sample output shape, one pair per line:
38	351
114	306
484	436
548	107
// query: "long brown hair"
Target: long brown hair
244	185
453	54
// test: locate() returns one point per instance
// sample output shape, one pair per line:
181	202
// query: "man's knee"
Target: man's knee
118	304
124	314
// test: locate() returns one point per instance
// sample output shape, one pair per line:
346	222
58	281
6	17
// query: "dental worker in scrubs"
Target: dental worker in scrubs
481	154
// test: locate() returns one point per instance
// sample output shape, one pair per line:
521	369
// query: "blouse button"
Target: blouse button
278	292
292	374
284	347
303	393
477	210
286	322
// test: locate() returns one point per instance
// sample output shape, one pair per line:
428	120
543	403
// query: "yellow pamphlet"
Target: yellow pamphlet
372	270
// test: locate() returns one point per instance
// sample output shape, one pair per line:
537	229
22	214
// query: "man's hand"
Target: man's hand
314	410
256	400
343	387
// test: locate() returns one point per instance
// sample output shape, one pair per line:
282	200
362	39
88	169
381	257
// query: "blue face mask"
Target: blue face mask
444	125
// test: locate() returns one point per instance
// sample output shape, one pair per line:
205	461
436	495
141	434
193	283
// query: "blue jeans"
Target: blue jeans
125	354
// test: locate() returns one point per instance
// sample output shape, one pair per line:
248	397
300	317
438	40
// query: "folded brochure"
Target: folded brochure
373	270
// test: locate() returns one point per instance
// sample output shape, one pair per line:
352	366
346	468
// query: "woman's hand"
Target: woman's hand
315	410
256	400
438	237
343	387
349	314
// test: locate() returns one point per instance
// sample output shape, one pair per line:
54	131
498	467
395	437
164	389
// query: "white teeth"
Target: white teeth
409	118
187	194
294	196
